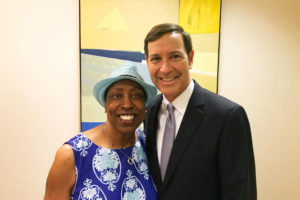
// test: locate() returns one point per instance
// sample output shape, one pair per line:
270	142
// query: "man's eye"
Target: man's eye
175	56
154	59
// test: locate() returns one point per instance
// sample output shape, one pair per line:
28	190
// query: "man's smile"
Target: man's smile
168	79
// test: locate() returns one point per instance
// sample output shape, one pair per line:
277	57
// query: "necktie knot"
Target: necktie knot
170	108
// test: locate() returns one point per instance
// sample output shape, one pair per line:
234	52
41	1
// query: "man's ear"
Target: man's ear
191	59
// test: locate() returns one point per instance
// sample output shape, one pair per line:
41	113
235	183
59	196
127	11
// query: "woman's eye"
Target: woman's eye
116	96
137	96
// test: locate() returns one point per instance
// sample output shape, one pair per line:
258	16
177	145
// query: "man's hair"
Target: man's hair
159	30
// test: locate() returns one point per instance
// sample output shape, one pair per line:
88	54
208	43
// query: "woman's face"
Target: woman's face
125	105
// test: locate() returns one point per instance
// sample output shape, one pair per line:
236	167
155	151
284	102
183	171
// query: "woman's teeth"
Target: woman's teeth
126	117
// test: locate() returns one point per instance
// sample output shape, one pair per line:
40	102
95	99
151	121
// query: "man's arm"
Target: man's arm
236	158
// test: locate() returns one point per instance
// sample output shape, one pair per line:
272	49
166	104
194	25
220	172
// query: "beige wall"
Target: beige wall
39	88
260	69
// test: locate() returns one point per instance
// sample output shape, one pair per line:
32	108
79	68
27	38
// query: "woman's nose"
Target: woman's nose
127	103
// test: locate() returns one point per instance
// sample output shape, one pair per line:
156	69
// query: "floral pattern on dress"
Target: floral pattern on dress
81	143
91	192
140	160
107	167
132	189
141	135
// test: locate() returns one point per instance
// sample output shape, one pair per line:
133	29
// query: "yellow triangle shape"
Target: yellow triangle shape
113	22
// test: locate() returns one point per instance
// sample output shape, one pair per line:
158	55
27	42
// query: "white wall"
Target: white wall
39	90
260	69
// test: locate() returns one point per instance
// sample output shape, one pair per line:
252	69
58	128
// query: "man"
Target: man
211	157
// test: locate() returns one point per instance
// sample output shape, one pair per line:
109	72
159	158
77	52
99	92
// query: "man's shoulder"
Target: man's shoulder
209	98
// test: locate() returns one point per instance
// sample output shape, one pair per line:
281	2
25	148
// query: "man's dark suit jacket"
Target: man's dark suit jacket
212	156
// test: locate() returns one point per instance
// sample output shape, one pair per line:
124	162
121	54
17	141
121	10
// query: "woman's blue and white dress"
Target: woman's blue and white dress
104	174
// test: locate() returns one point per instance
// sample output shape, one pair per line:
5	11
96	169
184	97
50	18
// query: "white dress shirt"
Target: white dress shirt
180	104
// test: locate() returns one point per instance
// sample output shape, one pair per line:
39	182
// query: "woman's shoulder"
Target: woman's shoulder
79	144
76	139
76	136
65	153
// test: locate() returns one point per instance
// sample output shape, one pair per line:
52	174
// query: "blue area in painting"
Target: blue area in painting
88	125
123	55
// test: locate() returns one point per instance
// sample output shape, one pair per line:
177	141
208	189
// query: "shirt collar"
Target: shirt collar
181	102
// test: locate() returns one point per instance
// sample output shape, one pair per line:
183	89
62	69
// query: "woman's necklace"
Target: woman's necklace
129	160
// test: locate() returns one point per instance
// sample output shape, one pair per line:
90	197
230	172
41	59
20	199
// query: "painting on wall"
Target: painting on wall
112	32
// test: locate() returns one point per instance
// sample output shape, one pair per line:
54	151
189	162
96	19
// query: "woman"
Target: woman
108	161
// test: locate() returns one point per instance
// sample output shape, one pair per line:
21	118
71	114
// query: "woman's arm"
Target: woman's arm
62	175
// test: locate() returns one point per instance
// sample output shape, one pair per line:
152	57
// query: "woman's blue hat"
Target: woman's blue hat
128	70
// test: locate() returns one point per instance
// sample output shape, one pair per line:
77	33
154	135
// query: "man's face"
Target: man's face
169	64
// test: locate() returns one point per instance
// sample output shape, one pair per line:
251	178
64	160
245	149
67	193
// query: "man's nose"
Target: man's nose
165	67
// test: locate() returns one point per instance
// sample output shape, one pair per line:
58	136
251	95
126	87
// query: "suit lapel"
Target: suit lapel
191	119
151	143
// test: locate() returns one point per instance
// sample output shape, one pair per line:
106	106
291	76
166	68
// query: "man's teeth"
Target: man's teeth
167	79
126	117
